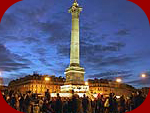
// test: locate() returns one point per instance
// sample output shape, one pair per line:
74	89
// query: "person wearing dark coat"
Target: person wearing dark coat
47	95
139	99
74	104
111	103
12	101
122	104
58	107
85	103
21	104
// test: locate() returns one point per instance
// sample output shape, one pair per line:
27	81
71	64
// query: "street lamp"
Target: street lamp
119	80
47	79
86	83
143	75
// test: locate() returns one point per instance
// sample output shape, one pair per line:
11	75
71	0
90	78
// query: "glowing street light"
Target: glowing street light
119	80
47	79
86	83
143	75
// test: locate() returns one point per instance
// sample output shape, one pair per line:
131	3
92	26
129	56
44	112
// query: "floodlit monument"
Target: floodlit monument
75	73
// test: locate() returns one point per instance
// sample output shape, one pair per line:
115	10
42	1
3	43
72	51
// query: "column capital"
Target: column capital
75	8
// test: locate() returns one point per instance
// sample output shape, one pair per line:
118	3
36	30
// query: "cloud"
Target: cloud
10	61
58	33
63	50
44	61
112	74
122	32
118	60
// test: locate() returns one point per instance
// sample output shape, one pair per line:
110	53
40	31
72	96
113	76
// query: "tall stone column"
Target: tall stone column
74	48
75	73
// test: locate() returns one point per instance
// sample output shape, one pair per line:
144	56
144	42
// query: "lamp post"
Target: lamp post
118	80
46	80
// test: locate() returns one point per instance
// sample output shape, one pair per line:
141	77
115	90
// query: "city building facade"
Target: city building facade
37	84
40	83
105	87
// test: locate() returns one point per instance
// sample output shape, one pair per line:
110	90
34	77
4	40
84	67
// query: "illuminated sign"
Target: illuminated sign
76	88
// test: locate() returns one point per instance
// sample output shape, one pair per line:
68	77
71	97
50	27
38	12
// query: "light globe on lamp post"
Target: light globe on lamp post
86	83
143	75
47	79
118	80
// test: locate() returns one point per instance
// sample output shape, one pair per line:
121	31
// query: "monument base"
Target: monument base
74	75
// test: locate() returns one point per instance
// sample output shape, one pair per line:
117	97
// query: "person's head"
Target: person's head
57	94
47	90
122	97
84	95
139	93
110	95
16	95
29	93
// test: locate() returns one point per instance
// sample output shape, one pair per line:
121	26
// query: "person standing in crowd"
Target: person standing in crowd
79	104
139	99
70	105
28	104
106	105
65	106
58	107
85	103
121	105
93	105
17	98
132	98
41	101
74	103
47	95
12	101
115	103
46	108
89	109
100	104
111	103
21	103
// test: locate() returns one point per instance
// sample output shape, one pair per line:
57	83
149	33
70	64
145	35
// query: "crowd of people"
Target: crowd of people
32	103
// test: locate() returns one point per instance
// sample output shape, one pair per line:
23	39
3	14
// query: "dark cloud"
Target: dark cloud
63	50
88	49
30	40
45	62
10	61
8	23
144	82
112	74
41	51
122	32
118	60
117	44
57	31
